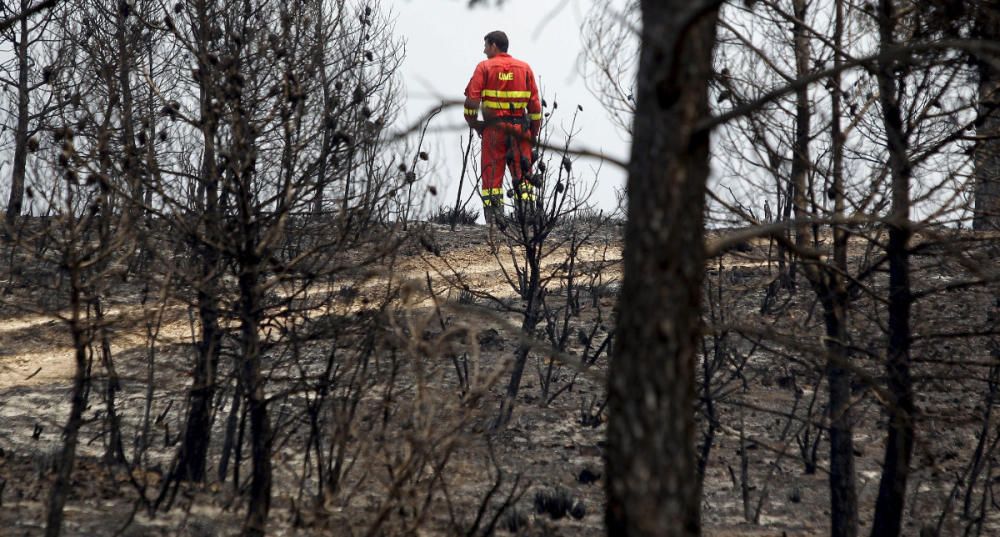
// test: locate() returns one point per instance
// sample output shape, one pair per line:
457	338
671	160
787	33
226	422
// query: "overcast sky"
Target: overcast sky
444	42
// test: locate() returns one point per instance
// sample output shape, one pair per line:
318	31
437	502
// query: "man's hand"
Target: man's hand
476	125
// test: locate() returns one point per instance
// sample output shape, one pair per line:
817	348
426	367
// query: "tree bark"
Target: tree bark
899	444
260	427
198	426
986	156
15	202
252	256
827	282
130	166
842	480
652	486
71	432
532	292
843	476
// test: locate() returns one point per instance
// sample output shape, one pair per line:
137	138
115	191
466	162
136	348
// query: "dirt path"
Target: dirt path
35	350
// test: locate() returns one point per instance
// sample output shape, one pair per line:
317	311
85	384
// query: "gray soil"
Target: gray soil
766	387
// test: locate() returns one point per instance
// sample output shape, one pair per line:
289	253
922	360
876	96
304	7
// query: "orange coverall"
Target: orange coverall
512	110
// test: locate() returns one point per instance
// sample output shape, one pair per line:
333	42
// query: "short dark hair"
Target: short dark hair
499	39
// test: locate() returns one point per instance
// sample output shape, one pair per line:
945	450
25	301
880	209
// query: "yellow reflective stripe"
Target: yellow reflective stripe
535	117
492	191
525	191
506	94
502	106
471	111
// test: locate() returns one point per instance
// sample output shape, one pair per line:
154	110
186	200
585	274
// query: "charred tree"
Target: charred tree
16	200
825	280
832	290
899	444
24	34
198	425
78	402
652	486
986	174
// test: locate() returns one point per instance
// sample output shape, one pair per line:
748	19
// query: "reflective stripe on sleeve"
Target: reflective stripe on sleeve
471	112
535	117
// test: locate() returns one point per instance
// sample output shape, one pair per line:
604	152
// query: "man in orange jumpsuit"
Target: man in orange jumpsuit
512	116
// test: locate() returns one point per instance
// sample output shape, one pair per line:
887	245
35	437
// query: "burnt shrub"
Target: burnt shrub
464	216
556	502
514	521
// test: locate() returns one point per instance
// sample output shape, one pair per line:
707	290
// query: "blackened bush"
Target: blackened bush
463	215
466	297
514	521
556	502
587	476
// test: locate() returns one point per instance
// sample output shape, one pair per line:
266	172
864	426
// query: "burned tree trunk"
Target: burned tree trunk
899	444
198	429
71	432
253	383
532	290
198	426
986	173
252	255
827	281
834	297
16	200
81	336
652	485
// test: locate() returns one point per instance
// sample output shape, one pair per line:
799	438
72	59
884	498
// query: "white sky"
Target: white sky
444	42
